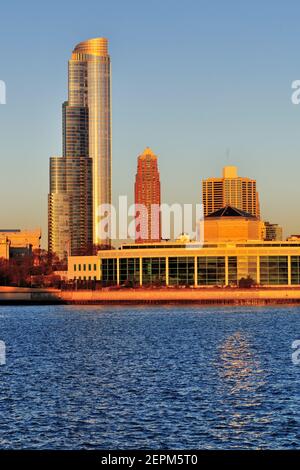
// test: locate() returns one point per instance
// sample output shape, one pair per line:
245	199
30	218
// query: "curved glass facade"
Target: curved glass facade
80	181
90	86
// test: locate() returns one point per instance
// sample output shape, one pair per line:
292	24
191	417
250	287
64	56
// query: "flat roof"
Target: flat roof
229	244
9	230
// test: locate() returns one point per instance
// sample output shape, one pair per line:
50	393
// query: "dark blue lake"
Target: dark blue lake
149	378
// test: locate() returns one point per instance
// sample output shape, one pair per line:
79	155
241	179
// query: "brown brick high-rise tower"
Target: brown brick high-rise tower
147	198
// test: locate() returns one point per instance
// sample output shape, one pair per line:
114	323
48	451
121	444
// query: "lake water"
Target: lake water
149	378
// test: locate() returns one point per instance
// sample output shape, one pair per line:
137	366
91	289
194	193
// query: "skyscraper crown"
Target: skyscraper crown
95	46
148	153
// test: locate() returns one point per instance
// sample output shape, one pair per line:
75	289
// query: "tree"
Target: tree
246	282
37	268
92	249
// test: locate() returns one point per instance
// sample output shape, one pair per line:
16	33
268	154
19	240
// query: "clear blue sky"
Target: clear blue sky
190	79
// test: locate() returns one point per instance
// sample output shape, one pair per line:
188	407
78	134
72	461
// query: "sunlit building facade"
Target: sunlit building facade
230	224
147	198
231	190
273	232
90	88
177	264
233	250
18	243
80	180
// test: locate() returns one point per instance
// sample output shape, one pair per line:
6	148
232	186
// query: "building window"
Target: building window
75	267
211	270
90	267
181	271
79	267
295	269
232	270
154	271
247	266
129	271
109	271
274	270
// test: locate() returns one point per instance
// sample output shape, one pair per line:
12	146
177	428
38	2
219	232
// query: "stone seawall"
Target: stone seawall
205	296
27	296
198	296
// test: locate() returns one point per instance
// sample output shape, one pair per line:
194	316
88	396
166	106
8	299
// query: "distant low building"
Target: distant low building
18	243
293	238
234	249
191	264
273	232
4	248
231	224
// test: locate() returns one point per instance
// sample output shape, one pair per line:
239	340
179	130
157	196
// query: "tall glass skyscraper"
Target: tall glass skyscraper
80	180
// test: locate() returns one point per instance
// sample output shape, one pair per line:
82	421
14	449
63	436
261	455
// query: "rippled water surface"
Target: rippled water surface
154	377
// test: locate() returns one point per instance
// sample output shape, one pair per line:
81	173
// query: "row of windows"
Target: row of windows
295	269
154	271
129	270
211	270
85	278
194	246
85	267
274	270
181	271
